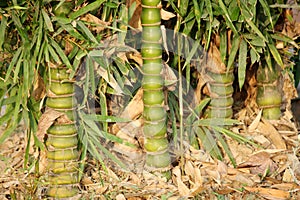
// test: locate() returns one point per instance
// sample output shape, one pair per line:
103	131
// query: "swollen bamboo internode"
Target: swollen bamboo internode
155	128
61	143
268	96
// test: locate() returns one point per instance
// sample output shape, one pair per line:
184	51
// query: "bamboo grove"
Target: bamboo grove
46	45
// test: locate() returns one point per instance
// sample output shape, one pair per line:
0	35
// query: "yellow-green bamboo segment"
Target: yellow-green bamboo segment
62	153
221	91
155	128
268	95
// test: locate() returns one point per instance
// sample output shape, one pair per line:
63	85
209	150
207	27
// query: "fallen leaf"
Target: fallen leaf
268	130
255	122
271	194
120	197
259	163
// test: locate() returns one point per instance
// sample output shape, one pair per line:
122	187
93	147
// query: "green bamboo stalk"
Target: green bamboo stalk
155	129
221	91
62	153
268	95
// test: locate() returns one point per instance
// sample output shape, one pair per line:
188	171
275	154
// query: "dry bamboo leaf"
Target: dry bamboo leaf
222	168
182	188
286	186
269	131
189	169
120	197
255	122
262	140
97	24
259	163
135	108
244	179
39	89
165	15
135	20
136	56
271	194
46	120
109	79
169	77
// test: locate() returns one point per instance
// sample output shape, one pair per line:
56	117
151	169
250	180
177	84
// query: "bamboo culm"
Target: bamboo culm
154	114
62	153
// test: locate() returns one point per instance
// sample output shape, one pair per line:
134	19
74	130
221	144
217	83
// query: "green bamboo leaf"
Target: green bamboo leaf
216	122
61	53
7	132
223	45
266	8
257	41
254	56
2	30
235	136
53	54
47	21
17	67
208	141
197	12
90	7
225	147
39	34
233	51
256	30
194	49
228	19
285	38
71	30
242	63
275	54
87	32
15	59
183	7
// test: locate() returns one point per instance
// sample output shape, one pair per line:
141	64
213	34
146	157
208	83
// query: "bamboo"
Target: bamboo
155	129
268	96
62	153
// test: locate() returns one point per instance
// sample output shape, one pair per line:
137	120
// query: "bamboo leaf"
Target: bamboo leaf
223	45
216	122
88	33
225	147
242	63
2	30
233	51
61	54
275	54
47	21
228	19
286	39
256	30
209	142
86	9
14	60
266	8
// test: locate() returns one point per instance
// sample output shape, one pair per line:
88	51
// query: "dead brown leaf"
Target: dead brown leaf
268	130
268	193
46	120
259	163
